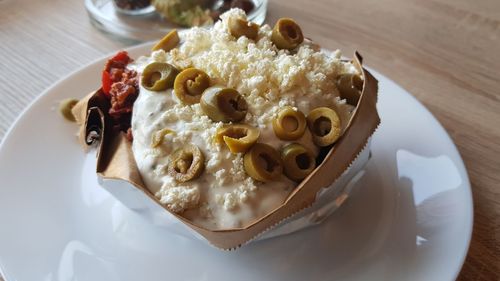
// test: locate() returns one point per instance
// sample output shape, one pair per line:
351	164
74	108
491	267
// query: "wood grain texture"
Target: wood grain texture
445	52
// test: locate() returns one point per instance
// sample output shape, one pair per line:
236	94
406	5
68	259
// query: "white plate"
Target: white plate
410	216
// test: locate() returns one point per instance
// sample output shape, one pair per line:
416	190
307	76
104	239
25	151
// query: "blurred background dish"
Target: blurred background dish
144	20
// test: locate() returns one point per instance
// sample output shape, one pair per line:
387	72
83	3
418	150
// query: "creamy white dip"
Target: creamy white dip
224	196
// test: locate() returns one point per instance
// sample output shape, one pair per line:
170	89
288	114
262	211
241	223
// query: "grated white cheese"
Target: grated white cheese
178	198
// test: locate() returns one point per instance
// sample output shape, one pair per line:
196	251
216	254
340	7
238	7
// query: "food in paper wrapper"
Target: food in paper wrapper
233	135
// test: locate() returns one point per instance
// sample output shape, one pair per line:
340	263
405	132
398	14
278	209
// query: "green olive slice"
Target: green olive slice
65	108
167	43
186	163
263	163
223	104
157	137
298	161
238	137
324	124
290	124
287	34
190	84
350	87
240	27
158	76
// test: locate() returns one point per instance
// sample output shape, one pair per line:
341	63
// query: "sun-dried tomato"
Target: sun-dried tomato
121	56
123	95
121	85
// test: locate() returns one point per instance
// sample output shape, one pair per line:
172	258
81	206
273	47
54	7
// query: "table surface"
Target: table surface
445	52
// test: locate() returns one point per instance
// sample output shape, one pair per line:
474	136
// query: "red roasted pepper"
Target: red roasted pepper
106	82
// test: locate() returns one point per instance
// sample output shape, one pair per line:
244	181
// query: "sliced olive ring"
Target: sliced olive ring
223	104
287	34
290	124
158	76
238	137
190	84
167	43
298	161
65	108
157	137
240	27
186	163
324	124
350	87
263	163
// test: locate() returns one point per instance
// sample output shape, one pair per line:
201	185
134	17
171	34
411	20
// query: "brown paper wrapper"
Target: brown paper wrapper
115	159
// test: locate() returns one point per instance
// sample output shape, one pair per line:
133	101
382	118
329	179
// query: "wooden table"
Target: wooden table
445	52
